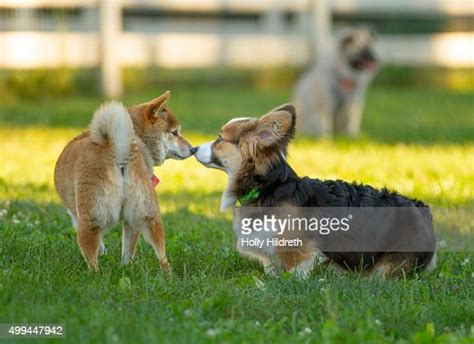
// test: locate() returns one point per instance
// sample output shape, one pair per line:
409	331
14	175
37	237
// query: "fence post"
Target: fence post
320	26
272	19
110	29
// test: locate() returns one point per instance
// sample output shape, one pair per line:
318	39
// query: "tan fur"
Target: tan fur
242	148
104	175
246	149
394	265
324	105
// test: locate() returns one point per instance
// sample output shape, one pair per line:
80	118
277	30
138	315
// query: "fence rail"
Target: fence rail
447	7
35	50
116	33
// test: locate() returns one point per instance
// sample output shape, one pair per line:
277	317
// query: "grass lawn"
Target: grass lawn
418	141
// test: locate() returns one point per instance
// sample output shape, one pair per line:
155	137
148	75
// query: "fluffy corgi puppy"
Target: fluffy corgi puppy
252	151
105	175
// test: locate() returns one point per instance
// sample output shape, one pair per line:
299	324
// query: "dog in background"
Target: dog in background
252	151
330	97
106	174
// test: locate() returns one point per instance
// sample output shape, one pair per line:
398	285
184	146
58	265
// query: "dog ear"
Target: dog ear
345	37
275	128
153	109
346	41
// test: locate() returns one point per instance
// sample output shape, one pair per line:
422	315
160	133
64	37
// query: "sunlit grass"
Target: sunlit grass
427	154
439	174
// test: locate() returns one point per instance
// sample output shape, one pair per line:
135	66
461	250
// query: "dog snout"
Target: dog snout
194	150
368	55
204	153
188	151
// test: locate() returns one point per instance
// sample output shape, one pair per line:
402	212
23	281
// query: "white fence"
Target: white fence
116	33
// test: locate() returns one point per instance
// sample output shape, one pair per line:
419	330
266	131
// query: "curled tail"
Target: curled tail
112	123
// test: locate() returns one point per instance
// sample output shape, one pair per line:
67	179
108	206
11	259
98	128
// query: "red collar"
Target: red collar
155	181
346	85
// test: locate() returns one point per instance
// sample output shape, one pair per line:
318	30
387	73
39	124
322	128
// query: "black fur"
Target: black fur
281	185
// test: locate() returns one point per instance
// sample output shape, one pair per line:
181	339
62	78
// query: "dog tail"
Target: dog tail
112	123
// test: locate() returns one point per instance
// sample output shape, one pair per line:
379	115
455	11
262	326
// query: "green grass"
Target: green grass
393	114
418	141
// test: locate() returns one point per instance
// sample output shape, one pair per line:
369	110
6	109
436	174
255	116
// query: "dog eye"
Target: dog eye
174	133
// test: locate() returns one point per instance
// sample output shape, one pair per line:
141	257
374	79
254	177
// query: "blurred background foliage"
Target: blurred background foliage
44	83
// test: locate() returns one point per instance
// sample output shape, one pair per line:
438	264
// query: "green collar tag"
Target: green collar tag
250	196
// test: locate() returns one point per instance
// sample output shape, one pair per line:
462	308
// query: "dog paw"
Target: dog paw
102	249
165	267
270	270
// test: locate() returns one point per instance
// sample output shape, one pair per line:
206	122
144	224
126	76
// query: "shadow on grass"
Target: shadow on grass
191	236
43	276
44	230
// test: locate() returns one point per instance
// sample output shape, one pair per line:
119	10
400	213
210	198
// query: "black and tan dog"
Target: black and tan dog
252	151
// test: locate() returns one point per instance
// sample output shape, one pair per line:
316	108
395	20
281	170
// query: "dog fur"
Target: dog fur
330	97
252	151
104	176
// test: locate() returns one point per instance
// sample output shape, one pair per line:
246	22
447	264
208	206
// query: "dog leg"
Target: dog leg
355	118
303	269
102	248
73	218
325	123
348	119
268	266
88	238
432	264
298	262
155	236
393	265
129	243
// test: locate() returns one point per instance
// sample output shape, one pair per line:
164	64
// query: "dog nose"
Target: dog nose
194	150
